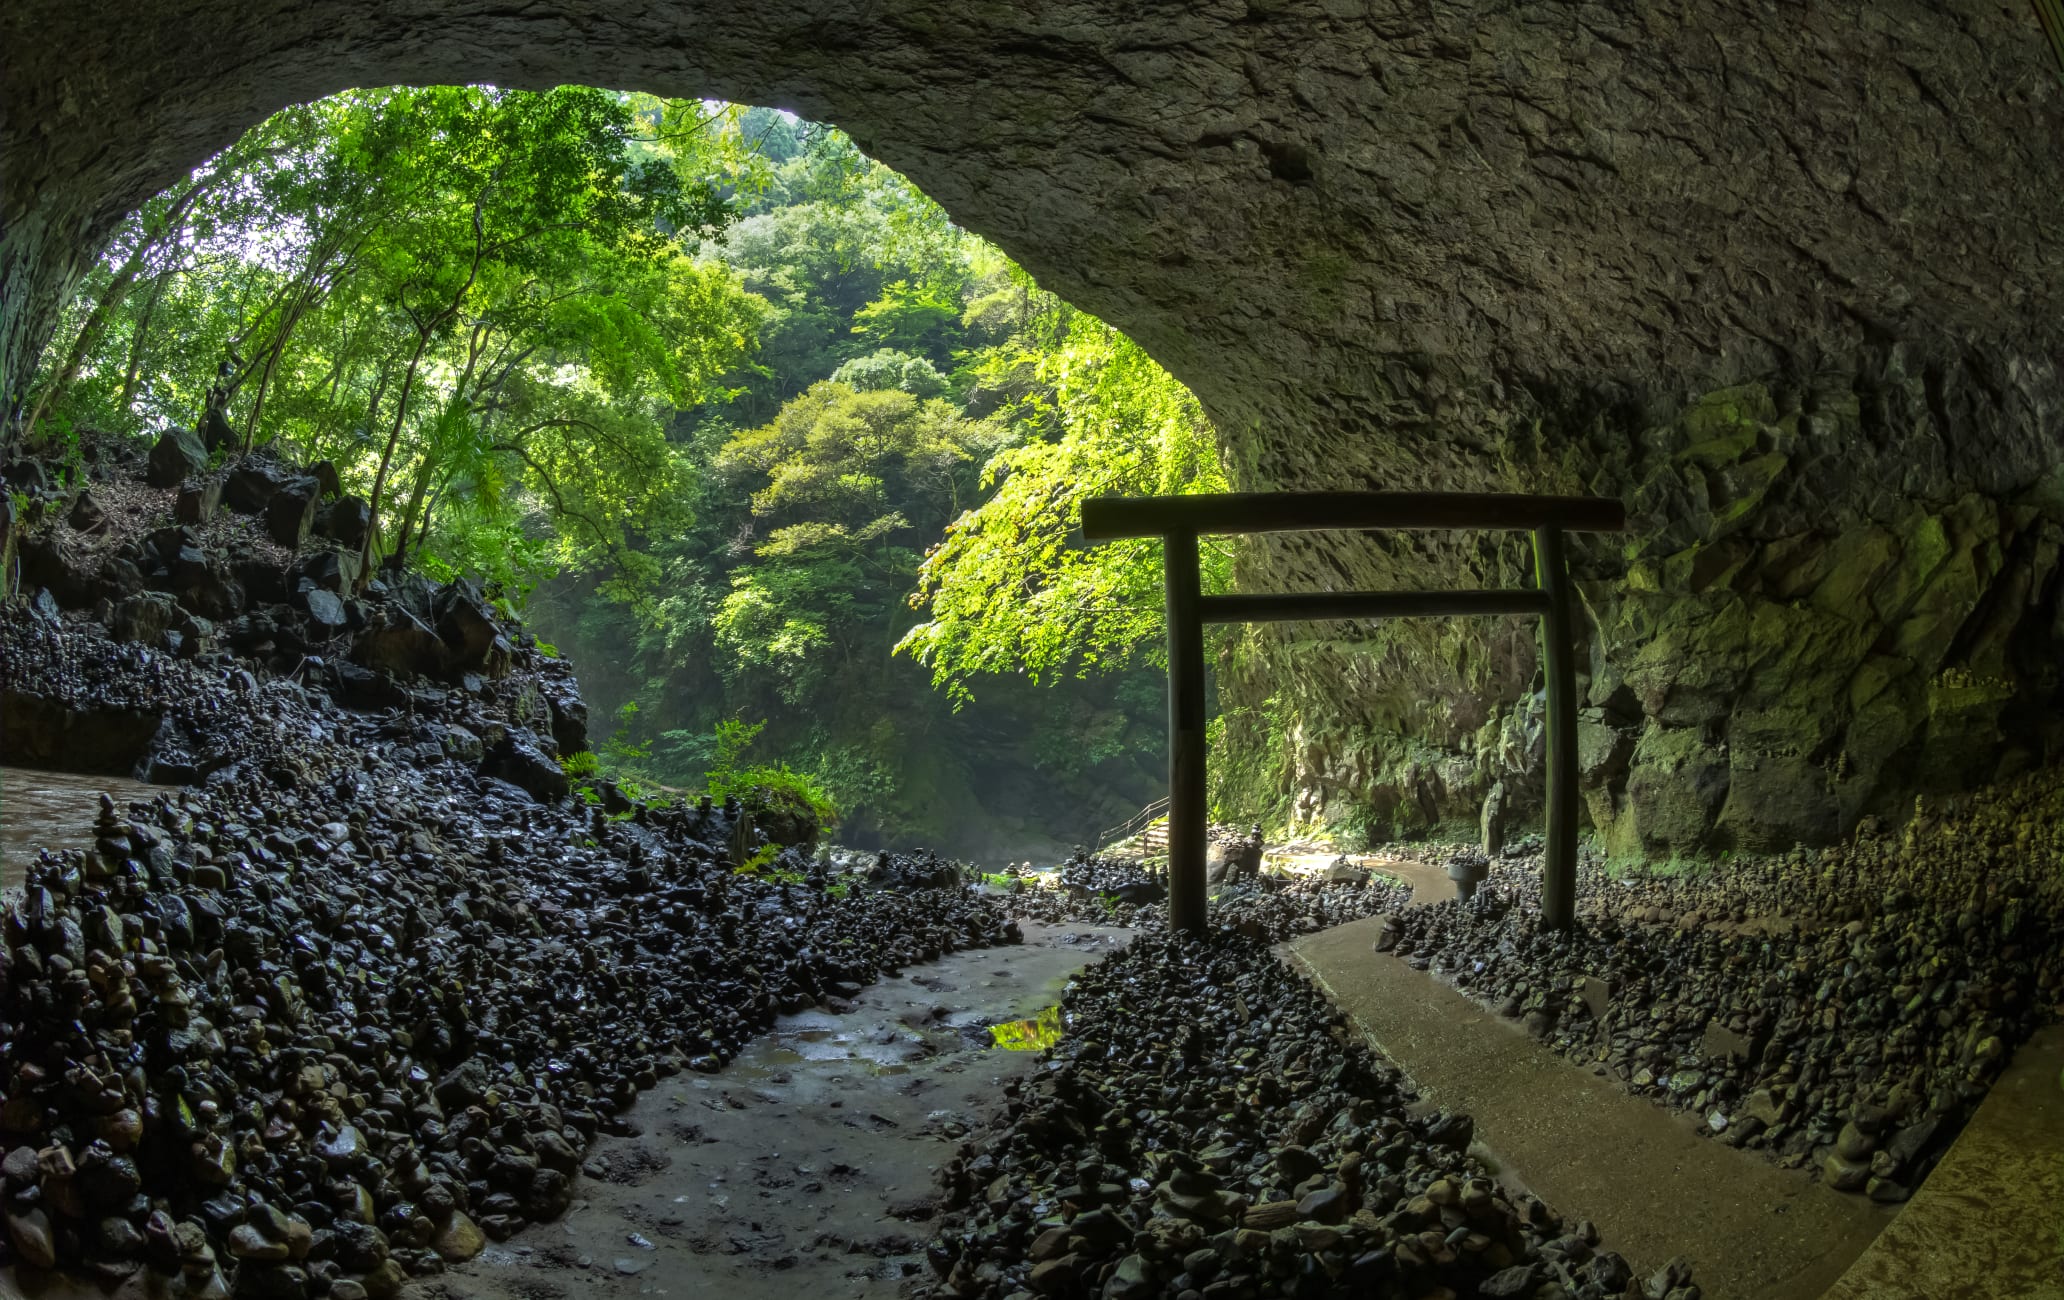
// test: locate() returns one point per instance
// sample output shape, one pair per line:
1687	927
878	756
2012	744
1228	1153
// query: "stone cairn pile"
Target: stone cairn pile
920	869
1120	891
1843	1009
361	996
1209	1126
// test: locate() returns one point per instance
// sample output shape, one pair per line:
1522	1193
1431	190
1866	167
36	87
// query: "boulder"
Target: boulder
326	615
1491	825
264	582
164	543
252	484
290	512
409	590
362	688
346	521
467	627
330	570
461	744
325	474
86	515
176	456
144	618
1225	862
197	634
67	570
203	583
518	759
120	577
527	708
400	643
569	716
27	477
198	501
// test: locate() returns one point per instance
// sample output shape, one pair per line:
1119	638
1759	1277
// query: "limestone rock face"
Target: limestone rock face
1782	278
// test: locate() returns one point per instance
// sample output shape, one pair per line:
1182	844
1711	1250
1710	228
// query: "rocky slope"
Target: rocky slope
361	994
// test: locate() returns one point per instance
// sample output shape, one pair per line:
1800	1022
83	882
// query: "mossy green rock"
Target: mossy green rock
1790	637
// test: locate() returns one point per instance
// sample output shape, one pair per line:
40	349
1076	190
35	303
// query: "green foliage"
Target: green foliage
900	361
708	388
483	305
1035	1034
583	764
762	787
619	749
1012	588
760	866
888	368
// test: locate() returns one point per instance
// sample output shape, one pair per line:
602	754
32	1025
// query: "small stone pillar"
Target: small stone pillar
1492	823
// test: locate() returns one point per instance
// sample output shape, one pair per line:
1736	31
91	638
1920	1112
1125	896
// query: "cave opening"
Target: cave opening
407	990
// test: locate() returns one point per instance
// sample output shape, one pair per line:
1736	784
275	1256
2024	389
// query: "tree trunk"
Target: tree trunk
137	338
408	383
88	338
415	504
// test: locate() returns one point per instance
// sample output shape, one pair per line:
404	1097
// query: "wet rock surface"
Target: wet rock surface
1210	1126
1840	1010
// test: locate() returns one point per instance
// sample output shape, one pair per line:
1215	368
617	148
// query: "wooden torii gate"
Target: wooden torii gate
1180	521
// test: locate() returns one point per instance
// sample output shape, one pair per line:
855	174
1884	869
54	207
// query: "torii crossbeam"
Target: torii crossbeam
1180	521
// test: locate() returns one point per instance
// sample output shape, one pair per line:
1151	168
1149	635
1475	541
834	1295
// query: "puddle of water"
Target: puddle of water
54	810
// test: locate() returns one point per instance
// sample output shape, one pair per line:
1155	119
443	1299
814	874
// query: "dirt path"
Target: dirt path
805	1167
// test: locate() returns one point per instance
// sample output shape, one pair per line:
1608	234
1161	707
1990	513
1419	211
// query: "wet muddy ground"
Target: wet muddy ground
53	810
805	1167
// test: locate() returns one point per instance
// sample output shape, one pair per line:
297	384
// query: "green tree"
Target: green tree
845	485
1011	588
482	305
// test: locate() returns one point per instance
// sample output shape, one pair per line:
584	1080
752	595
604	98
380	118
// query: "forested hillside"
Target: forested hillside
785	461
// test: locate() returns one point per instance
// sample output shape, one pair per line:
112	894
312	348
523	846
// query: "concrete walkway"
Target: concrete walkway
1656	1189
1989	1222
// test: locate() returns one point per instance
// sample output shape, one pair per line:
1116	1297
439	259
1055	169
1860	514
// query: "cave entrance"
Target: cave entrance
1180	520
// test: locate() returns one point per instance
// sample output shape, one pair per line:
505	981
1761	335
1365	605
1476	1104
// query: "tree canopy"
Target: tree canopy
777	438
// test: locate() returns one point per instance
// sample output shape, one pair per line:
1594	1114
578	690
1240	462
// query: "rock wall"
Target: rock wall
1830	598
1451	244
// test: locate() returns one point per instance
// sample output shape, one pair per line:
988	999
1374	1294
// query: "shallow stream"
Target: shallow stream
53	810
805	1168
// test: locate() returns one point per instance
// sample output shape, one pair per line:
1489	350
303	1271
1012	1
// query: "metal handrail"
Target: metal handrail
1134	824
